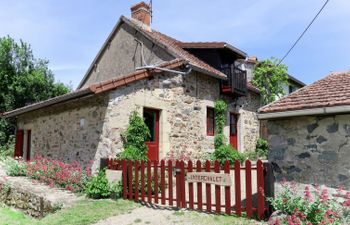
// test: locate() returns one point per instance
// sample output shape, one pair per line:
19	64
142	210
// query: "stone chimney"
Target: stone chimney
141	12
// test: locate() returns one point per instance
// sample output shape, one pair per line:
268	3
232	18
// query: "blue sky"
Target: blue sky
69	33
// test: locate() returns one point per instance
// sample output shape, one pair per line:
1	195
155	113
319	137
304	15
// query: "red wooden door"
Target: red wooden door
233	130
151	117
29	139
19	144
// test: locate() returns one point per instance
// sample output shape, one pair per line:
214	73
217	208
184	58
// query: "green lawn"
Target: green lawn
84	212
91	211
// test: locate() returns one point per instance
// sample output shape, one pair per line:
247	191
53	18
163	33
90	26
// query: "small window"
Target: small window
291	89
210	121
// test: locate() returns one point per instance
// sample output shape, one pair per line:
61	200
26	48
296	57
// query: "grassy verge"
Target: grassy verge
11	217
84	212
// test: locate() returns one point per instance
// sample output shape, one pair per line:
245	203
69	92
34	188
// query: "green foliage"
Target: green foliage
249	155
262	148
134	138
220	120
24	80
116	190
98	187
220	116
14	167
226	152
222	151
219	140
269	78
313	208
133	153
7	150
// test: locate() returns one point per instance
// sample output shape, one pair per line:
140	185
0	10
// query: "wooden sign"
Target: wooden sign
210	178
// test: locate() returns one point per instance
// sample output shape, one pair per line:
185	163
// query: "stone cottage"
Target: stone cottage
309	130
173	84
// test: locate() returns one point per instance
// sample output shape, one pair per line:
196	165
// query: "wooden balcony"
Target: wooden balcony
236	83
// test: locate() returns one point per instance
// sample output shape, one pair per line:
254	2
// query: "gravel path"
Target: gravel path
157	215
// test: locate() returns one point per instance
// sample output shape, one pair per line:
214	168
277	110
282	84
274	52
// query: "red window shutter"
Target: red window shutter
210	121
19	144
29	139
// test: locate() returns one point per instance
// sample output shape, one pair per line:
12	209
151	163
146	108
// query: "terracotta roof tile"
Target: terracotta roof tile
96	88
333	90
132	77
174	47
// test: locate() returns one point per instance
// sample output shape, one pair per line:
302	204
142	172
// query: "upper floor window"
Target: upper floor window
210	121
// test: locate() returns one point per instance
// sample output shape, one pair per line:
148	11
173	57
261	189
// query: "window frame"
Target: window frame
210	121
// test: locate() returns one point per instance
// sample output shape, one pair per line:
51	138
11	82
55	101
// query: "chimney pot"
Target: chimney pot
141	12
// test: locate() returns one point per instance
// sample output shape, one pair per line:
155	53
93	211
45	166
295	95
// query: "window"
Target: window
292	89
210	121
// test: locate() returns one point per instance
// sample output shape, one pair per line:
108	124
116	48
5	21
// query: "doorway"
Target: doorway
233	130
151	117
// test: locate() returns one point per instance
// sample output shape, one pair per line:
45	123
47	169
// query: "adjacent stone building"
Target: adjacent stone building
309	130
173	84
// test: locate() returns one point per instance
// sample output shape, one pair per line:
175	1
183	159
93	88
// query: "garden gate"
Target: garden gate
199	186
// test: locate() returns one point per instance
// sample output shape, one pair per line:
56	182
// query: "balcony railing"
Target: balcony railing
237	81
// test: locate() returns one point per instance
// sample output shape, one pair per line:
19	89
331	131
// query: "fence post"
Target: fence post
227	190
217	168
125	179
178	184
190	186
136	181
199	187
208	187
260	189
248	186
269	185
238	188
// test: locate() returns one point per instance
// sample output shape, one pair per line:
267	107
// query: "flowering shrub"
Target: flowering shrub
313	207
98	187
14	167
57	173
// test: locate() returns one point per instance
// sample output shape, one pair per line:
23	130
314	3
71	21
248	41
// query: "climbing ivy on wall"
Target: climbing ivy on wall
220	120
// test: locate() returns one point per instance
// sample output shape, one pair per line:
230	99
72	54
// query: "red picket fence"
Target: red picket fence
165	183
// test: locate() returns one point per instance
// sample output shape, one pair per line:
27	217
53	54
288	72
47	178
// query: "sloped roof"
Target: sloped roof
171	45
333	90
206	45
96	88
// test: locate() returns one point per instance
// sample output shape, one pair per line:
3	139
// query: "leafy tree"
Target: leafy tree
24	80
269	77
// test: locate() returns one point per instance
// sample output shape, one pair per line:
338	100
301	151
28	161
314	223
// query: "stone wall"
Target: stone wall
312	149
70	131
123	55
30	203
90	128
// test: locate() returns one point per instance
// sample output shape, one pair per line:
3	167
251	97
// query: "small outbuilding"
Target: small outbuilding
308	132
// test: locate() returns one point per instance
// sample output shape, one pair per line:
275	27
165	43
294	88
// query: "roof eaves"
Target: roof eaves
207	72
95	88
48	102
236	50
